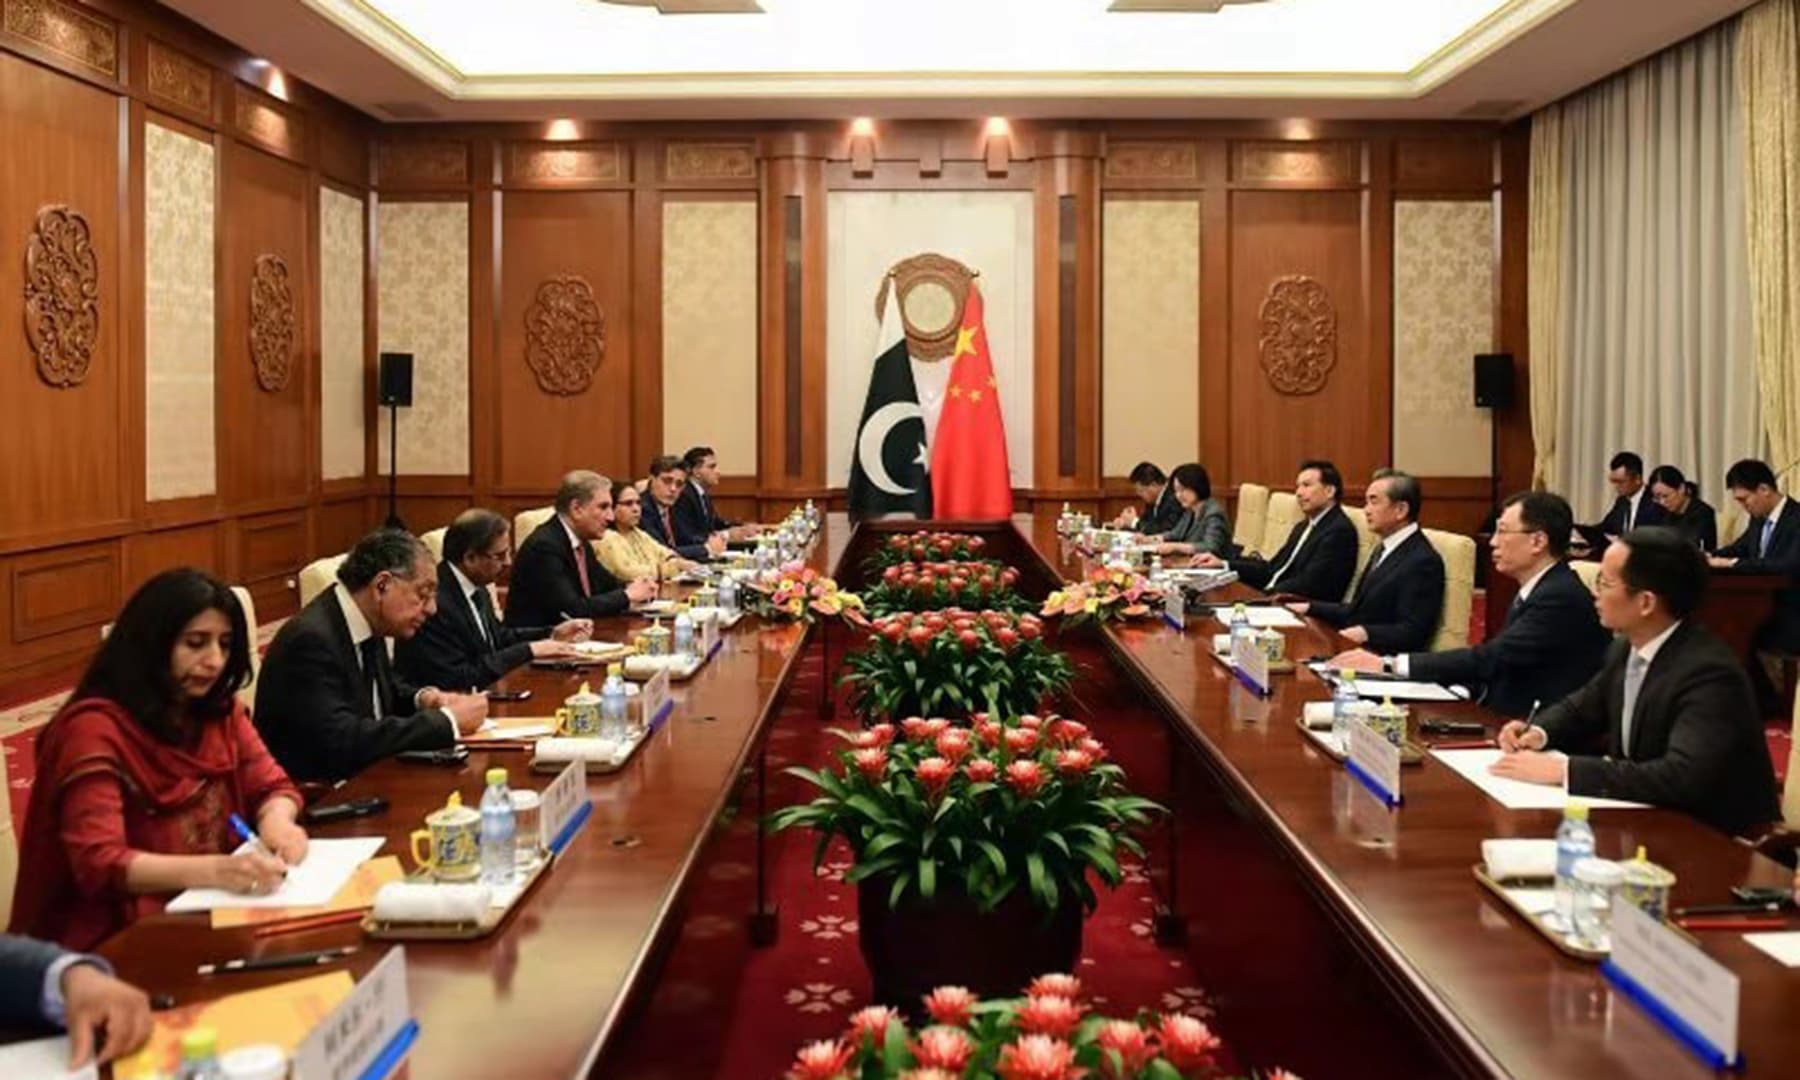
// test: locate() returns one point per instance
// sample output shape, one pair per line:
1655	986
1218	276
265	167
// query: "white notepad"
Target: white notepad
1517	794
42	1059
1264	616
327	866
1783	945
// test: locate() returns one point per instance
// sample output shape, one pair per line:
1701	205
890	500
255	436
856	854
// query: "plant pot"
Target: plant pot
919	947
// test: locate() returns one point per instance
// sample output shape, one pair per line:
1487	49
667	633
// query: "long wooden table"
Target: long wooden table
1489	993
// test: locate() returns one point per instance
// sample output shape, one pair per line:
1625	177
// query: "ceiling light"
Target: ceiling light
563	130
862	127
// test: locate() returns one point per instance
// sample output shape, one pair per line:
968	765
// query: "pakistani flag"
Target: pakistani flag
888	469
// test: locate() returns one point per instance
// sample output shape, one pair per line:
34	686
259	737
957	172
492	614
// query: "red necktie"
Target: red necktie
668	526
581	568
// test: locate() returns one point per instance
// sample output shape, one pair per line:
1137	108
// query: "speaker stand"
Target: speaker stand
393	515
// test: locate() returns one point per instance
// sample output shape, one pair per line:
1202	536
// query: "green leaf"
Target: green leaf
870	809
1039	879
928	879
994	857
882	843
896	892
1158	1069
871	868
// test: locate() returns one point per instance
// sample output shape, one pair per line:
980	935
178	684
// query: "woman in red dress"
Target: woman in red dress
139	774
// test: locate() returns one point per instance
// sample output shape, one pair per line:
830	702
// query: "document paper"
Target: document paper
42	1059
326	868
1517	794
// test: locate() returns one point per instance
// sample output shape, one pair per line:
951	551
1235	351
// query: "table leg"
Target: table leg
764	924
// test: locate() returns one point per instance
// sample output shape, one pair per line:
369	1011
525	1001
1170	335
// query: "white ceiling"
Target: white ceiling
533	59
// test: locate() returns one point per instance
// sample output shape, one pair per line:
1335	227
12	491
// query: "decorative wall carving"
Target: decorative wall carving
1298	162
1297	339
709	161
433	163
931	289
178	78
67	30
565	162
565	335
273	326
62	295
1152	161
269	122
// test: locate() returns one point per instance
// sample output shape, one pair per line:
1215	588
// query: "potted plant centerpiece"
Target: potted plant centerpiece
954	663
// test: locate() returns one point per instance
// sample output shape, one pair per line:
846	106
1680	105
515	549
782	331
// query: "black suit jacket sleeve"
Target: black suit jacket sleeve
23	964
1536	635
1418	608
449	651
546	586
1323	569
1579	722
1783	556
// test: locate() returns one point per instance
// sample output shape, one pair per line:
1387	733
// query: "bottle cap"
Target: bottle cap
496	775
199	1044
454	801
1578	811
584	688
615	671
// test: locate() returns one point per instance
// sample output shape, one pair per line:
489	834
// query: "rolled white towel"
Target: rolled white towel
1318	714
578	749
414	902
1519	860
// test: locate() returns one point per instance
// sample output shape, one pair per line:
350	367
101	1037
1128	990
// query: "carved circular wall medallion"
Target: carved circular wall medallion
273	327
932	290
565	335
1297	339
62	296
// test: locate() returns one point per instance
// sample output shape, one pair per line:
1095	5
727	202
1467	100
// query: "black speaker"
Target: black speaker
1493	381
396	378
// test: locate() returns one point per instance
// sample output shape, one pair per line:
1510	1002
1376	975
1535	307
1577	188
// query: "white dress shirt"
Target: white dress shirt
1633	502
361	631
1391	542
1305	535
467	588
51	1003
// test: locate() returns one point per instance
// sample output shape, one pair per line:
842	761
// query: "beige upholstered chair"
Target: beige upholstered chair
1588	571
1284	514
9	848
1790	792
1458	553
1365	543
247	694
527	522
1731	523
318	576
1252	514
435	541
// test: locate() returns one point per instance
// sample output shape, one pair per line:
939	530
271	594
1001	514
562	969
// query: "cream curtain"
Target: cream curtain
1768	84
1545	275
1651	310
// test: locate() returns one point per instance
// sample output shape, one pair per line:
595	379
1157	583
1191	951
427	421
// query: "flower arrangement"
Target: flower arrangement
1049	1034
977	583
1104	596
952	663
982	811
922	546
798	592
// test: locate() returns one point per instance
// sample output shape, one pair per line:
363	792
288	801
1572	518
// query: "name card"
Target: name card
1693	996
654	700
564	807
367	1035
1175	606
1374	761
1250	663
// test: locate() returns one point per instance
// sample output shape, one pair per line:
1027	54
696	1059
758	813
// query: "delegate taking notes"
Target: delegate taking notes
327	866
1517	794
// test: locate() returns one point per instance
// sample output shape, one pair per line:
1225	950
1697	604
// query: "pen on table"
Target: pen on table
308	922
243	830
1742	922
1462	744
1728	909
288	960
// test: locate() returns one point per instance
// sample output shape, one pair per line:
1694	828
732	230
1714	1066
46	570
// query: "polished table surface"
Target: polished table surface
541	996
1492	994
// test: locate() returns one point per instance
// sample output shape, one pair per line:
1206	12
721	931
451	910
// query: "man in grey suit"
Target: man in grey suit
43	984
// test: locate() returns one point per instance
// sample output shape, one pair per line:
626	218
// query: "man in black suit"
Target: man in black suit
1161	511
328	702
464	644
41	984
1671	719
1632	505
1551	643
668	479
557	576
694	512
1770	545
1319	558
1400	599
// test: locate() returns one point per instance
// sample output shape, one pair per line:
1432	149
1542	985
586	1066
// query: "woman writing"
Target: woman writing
1202	527
138	776
1688	516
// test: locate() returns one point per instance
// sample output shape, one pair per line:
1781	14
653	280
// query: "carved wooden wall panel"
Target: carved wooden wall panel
709	161
1297	162
178	78
65	30
62	295
565	335
1297	335
1153	160
550	164
274	327
270	123
422	163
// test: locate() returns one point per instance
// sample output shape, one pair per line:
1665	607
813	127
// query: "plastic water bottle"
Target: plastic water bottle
1238	625
498	851
1574	842
1344	700
613	721
684	632
728	594
1157	577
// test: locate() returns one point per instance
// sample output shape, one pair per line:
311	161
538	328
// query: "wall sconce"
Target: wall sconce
862	147
998	136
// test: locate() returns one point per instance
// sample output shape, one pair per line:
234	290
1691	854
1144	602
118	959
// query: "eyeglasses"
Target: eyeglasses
1501	530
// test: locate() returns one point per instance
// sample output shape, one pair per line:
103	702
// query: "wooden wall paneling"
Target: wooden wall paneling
411	163
1269	163
268	210
150	553
1457	503
647	303
266	121
1378	298
268	551
696	164
566	165
548	234
68	36
793	169
62	590
1512	331
1215	319
485	239
1066	443
1443	166
340	521
176	82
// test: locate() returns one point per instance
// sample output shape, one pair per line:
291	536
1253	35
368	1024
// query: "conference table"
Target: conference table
1341	937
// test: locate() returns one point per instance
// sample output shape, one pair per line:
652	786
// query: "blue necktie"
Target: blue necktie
1634	681
1768	531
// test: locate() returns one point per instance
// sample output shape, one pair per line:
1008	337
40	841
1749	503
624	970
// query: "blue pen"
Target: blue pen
238	825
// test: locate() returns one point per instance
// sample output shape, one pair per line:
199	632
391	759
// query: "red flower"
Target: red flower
936	622
1006	637
930	1074
1025	777
1132	1044
1049	1014
822	1060
872	1022
1092	748
914	727
950	1004
1074	762
871	763
891	574
883	732
1037	1057
935	774
976	543
1186	1042
894	632
989	732
954	744
866	740
1021	740
1057	983
946	1048
1032	721
1068	732
981	771
920	637
1030	631
936	726
969	640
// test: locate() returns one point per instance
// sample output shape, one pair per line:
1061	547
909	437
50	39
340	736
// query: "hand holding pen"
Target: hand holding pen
1523	734
255	871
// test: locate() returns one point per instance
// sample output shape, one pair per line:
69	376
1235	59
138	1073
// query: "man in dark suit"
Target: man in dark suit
1632	505
41	984
1551	643
464	644
1319	558
1400	599
1770	545
668	479
328	702
694	512
557	576
1161	511
1671	719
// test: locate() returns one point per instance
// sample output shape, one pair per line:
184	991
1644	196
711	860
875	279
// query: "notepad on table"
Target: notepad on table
327	867
42	1059
1783	945
1517	794
358	894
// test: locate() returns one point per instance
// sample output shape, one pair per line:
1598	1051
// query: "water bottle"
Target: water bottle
728	594
684	632
498	851
1344	700
1238	624
1066	523
1574	842
613	721
200	1055
1157	578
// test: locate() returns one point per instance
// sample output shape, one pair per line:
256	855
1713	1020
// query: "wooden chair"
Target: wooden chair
1365	545
1588	571
527	523
1458	553
1284	514
317	576
1252	515
435	541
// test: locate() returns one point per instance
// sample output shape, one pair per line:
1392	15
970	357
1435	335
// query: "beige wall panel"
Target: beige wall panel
1150	337
180	457
424	310
1443	316
709	330
342	421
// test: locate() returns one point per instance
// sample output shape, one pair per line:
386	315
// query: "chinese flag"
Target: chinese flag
969	476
